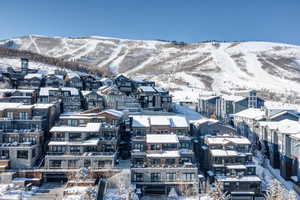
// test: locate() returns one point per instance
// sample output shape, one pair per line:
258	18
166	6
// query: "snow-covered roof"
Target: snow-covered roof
89	142
71	75
236	167
90	127
207	97
139	121
16	90
44	91
86	92
159	120
282	113
55	76
164	154
113	112
33	75
73	91
5	105
239	179
162	139
251	113
209	121
42	105
161	90
289	126
273	105
147	89
233	98
224	140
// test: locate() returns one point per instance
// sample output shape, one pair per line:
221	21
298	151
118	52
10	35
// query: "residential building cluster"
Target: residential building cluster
56	122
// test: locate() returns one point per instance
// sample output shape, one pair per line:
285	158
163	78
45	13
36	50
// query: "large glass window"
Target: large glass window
138	177
23	154
55	163
10	115
23	115
188	176
171	177
155	177
72	163
75	149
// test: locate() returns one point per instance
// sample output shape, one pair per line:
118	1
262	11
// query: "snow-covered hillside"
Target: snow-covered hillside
186	69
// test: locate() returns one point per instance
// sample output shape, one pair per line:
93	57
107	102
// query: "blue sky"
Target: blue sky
181	20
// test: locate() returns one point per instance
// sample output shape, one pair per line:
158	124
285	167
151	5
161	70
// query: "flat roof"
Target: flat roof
162	138
90	127
165	154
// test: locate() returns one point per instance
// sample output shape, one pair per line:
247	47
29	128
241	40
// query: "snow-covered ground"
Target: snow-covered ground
267	174
189	113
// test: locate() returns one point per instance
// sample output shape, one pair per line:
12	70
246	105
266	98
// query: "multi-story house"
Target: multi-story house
124	84
32	80
231	104
54	81
207	105
280	144
153	98
113	97
22	148
162	156
90	82
245	122
69	97
93	145
73	80
228	160
18	96
92	99
23	130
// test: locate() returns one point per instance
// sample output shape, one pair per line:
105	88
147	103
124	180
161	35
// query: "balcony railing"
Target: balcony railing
186	165
163	180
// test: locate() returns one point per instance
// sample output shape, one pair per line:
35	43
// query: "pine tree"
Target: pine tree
275	191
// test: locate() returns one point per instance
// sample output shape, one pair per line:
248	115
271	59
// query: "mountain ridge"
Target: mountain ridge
218	66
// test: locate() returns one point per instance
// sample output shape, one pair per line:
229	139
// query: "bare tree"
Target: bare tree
218	194
275	191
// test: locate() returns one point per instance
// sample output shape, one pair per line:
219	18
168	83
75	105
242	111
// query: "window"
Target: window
22	154
154	147
55	163
87	163
58	148
72	163
72	122
139	147
171	176
101	163
170	162
4	154
75	136
169	147
155	177
23	115
188	176
33	153
138	177
155	161
75	149
10	115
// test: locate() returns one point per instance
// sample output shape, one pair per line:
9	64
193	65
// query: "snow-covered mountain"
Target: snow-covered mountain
184	68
